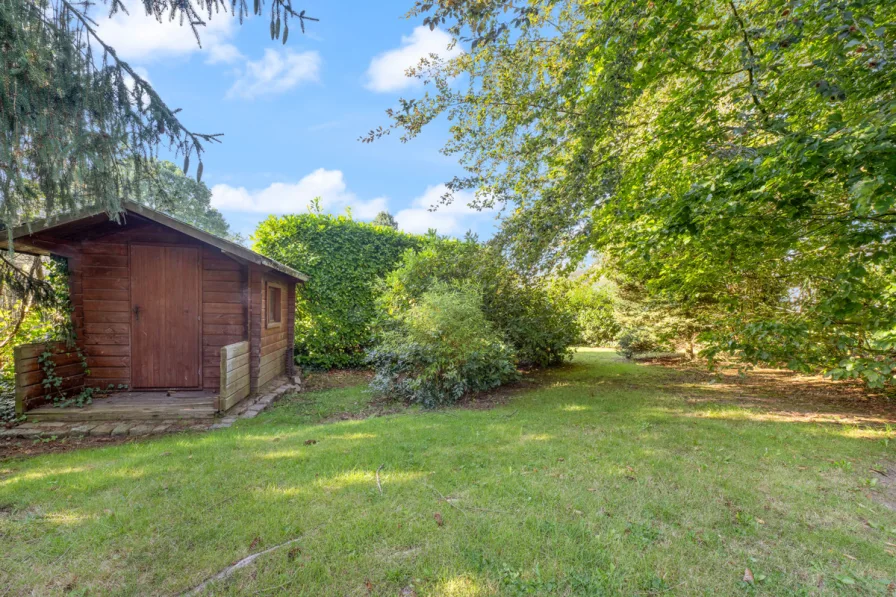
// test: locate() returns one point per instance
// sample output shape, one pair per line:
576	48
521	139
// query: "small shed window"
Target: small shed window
274	305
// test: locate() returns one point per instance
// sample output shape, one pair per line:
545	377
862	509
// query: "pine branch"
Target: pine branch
195	138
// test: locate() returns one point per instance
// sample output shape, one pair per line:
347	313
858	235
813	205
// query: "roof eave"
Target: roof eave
231	248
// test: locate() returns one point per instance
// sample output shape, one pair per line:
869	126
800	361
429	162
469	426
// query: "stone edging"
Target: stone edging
250	408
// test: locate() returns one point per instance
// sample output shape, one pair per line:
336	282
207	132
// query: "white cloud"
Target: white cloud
387	71
277	71
131	84
283	198
138	36
224	53
454	218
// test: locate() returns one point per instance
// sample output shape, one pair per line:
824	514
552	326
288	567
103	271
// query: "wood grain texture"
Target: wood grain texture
29	388
230	309
224	312
234	379
165	322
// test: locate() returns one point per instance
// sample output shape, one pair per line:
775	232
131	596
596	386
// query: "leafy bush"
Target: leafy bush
535	321
594	309
441	349
634	341
343	258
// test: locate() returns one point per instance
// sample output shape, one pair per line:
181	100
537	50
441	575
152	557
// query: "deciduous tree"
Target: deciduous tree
728	153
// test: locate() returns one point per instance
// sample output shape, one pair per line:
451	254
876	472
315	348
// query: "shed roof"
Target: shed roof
91	214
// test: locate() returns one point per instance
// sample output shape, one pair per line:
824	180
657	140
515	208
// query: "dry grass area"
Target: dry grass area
787	395
318	381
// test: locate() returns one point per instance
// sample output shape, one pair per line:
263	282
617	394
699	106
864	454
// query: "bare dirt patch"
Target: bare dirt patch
25	447
787	394
20	448
317	381
379	407
884	492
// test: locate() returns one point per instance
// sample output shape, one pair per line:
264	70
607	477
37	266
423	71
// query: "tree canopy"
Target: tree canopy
169	190
384	218
78	124
733	158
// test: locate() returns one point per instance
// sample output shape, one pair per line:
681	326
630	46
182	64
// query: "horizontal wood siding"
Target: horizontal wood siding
105	306
224	317
30	390
102	302
291	329
275	338
234	379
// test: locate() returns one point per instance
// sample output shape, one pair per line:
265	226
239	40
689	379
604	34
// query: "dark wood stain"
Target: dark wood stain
193	299
165	316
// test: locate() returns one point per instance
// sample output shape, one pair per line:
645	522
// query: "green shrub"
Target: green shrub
594	309
634	341
441	349
344	259
536	322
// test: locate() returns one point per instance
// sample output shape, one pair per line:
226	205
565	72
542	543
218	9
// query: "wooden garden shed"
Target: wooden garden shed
177	321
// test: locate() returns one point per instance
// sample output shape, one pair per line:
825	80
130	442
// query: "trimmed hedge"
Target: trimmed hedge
344	260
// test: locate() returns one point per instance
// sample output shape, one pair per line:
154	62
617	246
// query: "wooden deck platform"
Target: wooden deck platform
125	406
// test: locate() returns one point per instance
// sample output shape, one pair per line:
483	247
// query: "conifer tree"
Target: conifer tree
384	218
78	125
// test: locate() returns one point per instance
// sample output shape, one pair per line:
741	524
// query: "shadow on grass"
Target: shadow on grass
607	477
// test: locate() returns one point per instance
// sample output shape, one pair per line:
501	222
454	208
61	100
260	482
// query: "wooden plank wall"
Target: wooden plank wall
104	332
100	285
256	324
234	367
30	391
224	311
275	339
290	328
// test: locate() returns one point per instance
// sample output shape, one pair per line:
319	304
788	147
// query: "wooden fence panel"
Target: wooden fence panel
30	376
234	375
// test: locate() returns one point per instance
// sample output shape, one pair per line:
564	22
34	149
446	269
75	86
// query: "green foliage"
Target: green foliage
81	127
344	259
34	326
75	115
733	159
535	321
594	309
23	321
167	189
384	218
635	341
673	325
597	478
52	383
441	349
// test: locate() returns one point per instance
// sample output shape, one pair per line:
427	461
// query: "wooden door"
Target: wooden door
165	317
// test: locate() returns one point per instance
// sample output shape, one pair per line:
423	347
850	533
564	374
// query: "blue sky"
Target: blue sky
291	115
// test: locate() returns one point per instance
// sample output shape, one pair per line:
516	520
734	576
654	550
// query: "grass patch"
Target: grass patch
608	478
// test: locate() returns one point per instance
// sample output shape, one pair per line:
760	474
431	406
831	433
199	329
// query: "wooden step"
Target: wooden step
126	406
142	413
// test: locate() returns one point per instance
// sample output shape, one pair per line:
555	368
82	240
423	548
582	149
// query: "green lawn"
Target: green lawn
609	478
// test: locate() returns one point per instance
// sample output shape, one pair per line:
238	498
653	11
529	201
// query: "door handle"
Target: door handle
137	312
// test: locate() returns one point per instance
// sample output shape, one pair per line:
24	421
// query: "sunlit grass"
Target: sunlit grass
605	480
